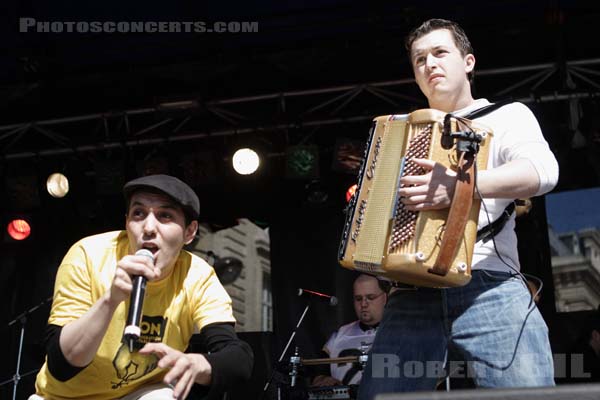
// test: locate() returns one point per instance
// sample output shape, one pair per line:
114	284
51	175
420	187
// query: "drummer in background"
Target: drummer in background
370	297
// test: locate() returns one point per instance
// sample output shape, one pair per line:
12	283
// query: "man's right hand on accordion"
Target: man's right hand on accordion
434	189
431	191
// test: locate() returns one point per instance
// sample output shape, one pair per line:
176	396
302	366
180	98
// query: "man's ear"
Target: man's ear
469	63
190	232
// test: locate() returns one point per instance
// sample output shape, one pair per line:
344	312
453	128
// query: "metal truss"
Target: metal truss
191	120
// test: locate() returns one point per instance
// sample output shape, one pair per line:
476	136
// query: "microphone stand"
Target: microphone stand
292	336
22	318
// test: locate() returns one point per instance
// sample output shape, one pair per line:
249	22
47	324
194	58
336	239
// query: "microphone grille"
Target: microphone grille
146	253
333	301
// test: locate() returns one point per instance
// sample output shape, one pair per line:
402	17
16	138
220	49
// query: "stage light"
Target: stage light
57	185
350	192
302	162
348	155
245	161
18	229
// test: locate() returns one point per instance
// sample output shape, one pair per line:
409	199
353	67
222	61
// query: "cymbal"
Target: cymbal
335	360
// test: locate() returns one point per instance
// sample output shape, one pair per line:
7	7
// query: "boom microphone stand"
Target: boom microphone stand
22	318
292	336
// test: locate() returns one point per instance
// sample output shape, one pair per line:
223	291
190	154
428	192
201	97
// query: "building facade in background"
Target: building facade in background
576	269
250	286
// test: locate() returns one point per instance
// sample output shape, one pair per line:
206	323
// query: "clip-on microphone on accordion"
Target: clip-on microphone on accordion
467	141
447	141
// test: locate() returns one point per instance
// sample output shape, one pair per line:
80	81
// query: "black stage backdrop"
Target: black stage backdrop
304	248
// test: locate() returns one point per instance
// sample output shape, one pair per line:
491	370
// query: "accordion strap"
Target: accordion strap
486	233
461	202
480	112
458	214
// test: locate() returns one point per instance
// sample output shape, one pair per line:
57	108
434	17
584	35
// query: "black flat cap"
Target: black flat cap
169	185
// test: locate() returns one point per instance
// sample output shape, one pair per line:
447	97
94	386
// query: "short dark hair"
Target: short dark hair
458	34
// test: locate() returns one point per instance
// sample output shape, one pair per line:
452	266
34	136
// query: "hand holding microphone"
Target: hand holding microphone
134	316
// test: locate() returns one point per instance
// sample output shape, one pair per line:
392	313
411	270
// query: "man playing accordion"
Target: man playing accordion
491	321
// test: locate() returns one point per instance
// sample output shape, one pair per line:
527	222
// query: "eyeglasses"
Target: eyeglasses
369	297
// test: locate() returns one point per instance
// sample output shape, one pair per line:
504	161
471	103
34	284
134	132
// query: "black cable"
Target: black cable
516	271
531	305
465	124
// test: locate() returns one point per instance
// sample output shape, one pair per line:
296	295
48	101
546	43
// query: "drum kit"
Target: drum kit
291	390
340	392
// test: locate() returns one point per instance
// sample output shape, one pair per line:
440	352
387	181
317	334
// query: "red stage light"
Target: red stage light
19	229
350	192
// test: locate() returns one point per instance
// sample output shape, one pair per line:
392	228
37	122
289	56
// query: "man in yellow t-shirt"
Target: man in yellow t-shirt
87	357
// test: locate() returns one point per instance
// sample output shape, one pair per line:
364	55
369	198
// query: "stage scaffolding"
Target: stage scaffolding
178	121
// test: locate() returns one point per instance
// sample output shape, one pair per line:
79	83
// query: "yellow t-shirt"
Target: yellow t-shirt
191	297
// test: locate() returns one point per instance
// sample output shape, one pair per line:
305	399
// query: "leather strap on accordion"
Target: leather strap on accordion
461	202
458	215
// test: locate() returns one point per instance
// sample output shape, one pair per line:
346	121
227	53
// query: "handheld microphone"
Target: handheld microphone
331	300
132	328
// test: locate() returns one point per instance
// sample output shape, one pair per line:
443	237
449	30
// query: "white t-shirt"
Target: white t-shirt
347	341
516	135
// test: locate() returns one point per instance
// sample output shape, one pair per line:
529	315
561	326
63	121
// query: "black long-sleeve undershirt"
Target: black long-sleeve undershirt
231	359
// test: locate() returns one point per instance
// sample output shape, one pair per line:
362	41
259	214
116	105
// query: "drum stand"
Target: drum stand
295	359
22	318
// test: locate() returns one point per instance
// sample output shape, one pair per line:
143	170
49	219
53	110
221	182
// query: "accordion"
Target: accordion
427	248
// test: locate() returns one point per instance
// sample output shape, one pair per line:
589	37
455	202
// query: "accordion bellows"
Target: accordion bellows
380	236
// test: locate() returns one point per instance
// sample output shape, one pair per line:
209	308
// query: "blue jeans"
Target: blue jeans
502	341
